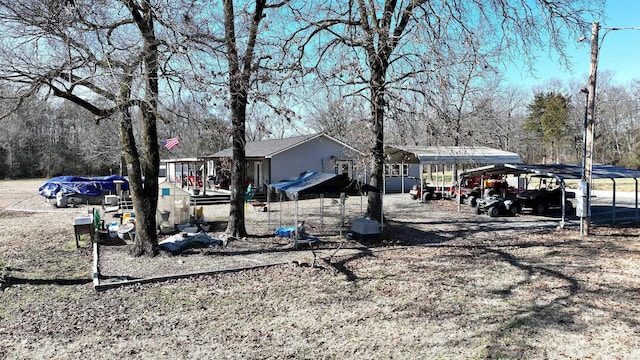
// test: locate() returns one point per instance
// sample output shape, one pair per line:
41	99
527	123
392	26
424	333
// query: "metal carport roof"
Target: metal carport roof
564	172
446	155
559	171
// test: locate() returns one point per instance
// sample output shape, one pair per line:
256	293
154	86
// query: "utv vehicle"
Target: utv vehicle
496	206
546	194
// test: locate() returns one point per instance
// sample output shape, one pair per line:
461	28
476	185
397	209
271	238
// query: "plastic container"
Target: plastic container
190	229
113	230
111	200
85	220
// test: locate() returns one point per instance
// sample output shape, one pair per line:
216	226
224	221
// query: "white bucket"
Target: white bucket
126	231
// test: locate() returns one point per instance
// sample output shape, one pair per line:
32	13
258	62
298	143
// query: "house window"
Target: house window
394	169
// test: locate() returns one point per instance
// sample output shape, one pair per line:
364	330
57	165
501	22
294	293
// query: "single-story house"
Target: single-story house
274	160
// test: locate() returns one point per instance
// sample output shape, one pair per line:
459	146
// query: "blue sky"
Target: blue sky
620	51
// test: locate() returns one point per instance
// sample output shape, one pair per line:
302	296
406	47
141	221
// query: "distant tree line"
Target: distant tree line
44	138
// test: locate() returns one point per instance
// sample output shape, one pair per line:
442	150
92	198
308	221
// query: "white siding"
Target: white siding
394	184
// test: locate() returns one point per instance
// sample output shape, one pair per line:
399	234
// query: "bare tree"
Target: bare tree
499	115
615	108
337	116
104	56
244	64
389	42
201	131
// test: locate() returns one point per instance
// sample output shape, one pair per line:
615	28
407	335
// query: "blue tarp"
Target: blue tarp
285	231
311	182
85	186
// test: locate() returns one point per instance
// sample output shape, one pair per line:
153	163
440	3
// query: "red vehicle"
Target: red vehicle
430	191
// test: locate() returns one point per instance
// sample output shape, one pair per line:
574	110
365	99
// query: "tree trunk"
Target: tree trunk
144	201
374	200
145	193
236	226
239	83
146	239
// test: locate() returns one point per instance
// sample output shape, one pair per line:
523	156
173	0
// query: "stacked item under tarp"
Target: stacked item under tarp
87	189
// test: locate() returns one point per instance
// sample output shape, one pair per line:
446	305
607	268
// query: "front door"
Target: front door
344	167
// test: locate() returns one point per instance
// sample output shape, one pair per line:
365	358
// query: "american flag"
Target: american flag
171	143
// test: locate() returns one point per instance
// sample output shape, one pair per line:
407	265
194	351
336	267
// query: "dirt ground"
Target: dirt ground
444	285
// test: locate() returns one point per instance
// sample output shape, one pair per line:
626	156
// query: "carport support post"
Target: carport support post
420	179
280	224
459	186
564	203
322	213
268	208
297	237
636	215
343	198
613	213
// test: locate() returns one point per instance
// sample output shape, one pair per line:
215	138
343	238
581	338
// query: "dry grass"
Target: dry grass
623	185
453	286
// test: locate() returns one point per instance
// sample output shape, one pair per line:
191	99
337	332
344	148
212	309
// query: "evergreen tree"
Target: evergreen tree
548	120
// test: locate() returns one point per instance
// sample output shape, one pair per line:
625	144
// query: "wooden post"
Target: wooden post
591	104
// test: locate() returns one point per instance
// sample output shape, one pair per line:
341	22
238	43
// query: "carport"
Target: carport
562	172
447	155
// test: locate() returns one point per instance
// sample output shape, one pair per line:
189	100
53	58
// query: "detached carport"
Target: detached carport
562	172
447	155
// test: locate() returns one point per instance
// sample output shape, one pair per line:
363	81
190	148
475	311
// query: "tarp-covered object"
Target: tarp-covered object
180	242
311	182
84	186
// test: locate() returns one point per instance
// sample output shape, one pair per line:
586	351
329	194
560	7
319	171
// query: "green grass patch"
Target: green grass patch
85	240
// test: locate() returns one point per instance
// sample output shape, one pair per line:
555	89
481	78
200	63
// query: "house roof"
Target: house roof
271	147
181	160
440	155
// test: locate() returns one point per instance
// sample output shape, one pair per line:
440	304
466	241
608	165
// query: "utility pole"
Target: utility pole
591	105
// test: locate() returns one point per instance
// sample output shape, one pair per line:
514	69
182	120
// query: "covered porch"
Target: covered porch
191	174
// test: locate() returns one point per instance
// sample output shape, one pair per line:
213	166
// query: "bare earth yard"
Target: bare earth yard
445	285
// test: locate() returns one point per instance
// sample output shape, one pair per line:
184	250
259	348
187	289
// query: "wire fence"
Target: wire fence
324	217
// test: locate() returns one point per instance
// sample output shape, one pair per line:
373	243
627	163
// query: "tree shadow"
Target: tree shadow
557	306
341	266
112	241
